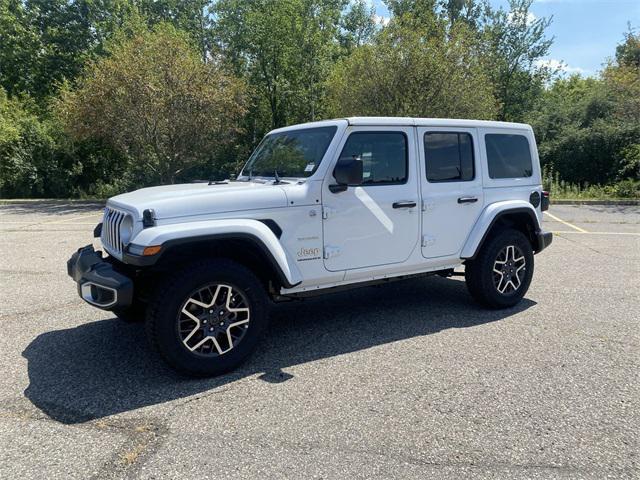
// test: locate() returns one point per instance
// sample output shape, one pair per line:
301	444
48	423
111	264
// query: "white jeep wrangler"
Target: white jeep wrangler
318	207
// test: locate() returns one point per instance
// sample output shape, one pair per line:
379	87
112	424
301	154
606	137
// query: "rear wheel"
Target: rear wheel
501	273
209	318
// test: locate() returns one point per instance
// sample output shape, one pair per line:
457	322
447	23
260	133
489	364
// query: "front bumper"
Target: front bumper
98	282
544	240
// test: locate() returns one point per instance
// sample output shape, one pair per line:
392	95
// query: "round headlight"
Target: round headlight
126	229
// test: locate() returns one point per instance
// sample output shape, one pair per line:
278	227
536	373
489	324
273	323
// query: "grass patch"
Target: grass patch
562	190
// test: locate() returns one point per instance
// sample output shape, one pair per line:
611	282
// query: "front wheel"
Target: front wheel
501	273
209	318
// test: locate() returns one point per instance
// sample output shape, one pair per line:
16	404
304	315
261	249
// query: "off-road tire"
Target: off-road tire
164	314
480	276
136	313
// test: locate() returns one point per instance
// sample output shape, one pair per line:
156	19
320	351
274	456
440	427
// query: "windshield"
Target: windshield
295	153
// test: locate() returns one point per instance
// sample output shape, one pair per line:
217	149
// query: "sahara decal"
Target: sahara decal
305	254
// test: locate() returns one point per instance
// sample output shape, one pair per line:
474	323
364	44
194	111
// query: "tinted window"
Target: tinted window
448	157
383	154
293	153
508	156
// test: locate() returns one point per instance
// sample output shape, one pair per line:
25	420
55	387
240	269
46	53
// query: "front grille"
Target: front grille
111	230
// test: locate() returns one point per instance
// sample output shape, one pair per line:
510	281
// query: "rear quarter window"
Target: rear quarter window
508	155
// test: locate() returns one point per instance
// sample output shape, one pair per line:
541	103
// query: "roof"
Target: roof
433	122
407	121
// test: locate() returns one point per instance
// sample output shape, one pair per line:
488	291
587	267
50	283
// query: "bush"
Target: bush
562	189
631	162
627	189
24	142
157	104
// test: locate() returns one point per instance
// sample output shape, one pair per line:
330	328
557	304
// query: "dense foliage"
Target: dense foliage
415	69
589	129
154	101
103	96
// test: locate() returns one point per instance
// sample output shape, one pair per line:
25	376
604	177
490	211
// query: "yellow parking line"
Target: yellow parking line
581	230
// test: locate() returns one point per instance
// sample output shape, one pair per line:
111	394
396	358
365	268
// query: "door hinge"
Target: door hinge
330	252
328	212
428	240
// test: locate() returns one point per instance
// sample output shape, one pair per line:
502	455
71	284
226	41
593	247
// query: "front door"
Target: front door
376	222
451	183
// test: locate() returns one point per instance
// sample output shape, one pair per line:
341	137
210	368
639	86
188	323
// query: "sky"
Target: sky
585	32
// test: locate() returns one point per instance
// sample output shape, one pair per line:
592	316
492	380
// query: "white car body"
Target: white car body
335	239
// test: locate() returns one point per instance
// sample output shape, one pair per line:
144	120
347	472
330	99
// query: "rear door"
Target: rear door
451	184
376	222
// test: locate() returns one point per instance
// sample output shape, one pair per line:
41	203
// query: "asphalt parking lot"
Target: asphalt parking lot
409	380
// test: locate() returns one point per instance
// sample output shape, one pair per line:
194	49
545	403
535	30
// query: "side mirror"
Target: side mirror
347	172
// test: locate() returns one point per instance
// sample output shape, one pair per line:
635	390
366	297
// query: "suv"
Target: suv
318	207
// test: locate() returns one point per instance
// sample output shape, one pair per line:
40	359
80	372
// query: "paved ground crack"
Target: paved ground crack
143	436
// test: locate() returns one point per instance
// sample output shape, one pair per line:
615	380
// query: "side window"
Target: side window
509	156
448	156
384	156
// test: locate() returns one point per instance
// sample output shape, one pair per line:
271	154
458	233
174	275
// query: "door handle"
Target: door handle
467	200
408	204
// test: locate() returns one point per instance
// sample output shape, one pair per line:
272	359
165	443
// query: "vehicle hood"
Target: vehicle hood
171	201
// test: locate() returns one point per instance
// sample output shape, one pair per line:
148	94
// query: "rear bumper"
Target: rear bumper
98	282
544	240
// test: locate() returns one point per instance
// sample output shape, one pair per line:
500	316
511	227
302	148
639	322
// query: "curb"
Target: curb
55	201
621	202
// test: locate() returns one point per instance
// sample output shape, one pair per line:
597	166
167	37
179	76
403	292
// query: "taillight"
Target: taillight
545	201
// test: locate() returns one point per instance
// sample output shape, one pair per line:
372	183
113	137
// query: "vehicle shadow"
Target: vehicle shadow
105	367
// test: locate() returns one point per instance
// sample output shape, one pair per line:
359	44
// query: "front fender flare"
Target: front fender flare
254	230
488	218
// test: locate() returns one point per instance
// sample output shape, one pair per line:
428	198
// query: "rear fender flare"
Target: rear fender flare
490	215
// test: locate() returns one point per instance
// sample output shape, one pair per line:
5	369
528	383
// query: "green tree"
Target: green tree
191	16
358	25
284	48
467	11
415	10
156	102
32	164
628	52
19	48
622	79
20	132
46	41
584	133
515	43
416	67
510	42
